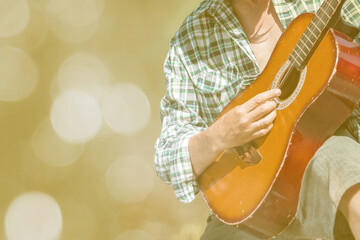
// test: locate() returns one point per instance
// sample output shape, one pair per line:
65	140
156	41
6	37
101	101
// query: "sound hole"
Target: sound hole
289	82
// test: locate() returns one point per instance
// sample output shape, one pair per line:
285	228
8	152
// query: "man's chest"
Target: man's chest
261	26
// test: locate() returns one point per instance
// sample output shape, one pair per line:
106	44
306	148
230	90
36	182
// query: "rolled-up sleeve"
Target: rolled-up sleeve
180	121
351	15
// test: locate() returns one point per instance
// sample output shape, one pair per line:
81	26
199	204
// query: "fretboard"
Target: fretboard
314	32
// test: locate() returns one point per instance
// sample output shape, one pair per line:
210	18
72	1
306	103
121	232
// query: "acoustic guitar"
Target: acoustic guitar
256	186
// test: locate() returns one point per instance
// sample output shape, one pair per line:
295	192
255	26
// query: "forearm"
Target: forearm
203	150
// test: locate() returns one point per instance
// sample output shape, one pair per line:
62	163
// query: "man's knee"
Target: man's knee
337	146
335	151
350	201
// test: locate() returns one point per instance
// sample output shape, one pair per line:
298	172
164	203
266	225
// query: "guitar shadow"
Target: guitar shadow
220	168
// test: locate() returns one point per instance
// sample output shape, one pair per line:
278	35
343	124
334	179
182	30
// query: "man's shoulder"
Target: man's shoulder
198	22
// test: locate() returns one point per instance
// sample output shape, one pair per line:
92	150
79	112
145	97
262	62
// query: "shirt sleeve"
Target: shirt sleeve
180	121
351	15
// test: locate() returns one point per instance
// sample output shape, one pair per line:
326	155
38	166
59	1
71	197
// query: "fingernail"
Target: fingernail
278	92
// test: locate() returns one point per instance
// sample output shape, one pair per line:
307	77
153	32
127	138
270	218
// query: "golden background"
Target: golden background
80	86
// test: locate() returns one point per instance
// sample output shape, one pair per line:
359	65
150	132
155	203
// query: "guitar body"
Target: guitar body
263	198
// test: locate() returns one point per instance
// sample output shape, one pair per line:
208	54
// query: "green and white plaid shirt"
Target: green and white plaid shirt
210	60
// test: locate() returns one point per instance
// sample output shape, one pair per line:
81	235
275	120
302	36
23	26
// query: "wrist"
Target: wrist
214	139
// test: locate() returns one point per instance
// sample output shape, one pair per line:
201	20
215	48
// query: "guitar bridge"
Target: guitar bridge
248	154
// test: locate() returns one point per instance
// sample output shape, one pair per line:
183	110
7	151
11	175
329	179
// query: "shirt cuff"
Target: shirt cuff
183	179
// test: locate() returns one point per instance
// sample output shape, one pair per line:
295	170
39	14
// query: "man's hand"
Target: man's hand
246	122
240	125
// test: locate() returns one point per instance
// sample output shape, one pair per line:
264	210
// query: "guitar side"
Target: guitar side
263	198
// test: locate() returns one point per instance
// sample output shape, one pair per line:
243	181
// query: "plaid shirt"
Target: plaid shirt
210	60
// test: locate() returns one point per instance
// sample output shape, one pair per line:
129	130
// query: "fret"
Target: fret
297	62
324	11
316	27
331	7
313	32
301	54
294	60
305	53
302	45
321	21
291	58
313	36
305	35
334	2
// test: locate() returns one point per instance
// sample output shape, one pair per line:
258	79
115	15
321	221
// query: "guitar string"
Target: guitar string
309	33
295	58
313	30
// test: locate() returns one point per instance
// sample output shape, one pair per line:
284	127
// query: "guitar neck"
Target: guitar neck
314	33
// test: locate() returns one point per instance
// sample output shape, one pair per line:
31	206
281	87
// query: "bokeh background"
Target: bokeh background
80	86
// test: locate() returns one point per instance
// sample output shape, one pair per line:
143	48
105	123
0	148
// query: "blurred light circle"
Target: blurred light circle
130	179
130	67
126	109
70	33
53	150
84	72
134	235
74	21
76	12
33	170
76	116
35	33
33	216
9	190
18	74
14	16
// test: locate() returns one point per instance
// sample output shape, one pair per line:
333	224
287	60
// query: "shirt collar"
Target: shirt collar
222	11
212	5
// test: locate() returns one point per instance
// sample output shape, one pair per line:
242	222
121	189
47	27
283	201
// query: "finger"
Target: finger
263	122
262	110
260	99
262	132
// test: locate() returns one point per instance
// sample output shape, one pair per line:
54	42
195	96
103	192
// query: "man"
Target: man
218	51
